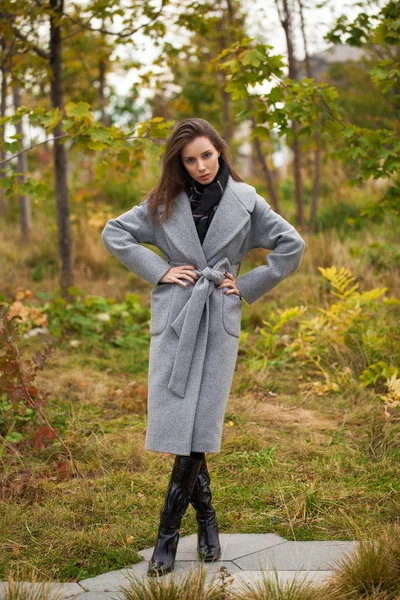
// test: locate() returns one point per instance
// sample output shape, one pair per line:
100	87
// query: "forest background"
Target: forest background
78	492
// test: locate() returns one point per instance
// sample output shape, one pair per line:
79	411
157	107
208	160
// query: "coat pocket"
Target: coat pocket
161	298
232	313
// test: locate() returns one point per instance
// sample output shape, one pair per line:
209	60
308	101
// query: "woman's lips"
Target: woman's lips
204	176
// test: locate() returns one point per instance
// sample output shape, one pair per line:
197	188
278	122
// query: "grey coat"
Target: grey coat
195	330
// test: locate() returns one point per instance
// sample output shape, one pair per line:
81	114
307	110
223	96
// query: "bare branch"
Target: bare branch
7	160
70	35
39	51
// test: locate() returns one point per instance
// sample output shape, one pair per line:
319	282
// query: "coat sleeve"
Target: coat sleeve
122	237
269	230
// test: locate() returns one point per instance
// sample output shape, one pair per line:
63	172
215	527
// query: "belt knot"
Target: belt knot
213	274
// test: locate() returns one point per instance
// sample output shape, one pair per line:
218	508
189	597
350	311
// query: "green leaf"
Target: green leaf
348	132
96	145
100	134
78	110
35	189
275	95
123	156
262	132
251	57
12	147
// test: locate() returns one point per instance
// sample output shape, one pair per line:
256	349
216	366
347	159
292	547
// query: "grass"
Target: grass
301	464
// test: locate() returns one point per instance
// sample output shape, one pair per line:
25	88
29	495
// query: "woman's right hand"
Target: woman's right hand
176	274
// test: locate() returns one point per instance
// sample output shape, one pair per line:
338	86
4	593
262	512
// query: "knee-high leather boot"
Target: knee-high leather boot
208	545
183	478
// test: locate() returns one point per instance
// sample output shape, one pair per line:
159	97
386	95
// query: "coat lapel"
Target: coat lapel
230	217
180	229
232	213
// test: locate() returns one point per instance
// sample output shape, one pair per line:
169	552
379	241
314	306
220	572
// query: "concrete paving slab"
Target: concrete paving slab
139	568
255	578
108	582
236	545
233	545
293	556
214	567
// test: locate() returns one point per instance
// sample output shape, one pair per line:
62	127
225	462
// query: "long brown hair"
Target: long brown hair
171	181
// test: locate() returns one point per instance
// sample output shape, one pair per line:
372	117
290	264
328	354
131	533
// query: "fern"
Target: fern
281	317
340	280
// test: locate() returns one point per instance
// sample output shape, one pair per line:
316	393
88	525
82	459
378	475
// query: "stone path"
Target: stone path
243	555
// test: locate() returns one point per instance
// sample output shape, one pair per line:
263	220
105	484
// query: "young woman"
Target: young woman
204	219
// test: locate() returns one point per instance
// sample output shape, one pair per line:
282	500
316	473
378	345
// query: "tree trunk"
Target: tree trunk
316	182
59	151
286	21
298	180
317	134
269	180
22	166
4	205
226	103
224	41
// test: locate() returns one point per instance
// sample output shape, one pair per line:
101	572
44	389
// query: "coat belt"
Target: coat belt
186	324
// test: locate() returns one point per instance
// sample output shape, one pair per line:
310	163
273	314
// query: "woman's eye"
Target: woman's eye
207	154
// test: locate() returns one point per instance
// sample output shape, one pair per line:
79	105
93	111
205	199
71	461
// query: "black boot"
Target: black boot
183	477
208	546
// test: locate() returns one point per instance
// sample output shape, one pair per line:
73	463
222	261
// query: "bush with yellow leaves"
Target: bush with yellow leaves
355	337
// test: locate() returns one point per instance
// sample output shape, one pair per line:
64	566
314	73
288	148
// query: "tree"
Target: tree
285	12
317	133
24	25
7	49
24	200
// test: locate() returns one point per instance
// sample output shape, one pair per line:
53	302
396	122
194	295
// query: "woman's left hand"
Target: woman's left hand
229	282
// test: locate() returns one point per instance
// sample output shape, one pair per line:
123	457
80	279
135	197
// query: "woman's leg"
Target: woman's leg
183	478
208	545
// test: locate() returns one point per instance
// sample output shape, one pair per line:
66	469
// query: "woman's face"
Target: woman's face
200	159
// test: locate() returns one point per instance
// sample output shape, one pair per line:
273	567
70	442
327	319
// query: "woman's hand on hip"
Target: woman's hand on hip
177	274
229	282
